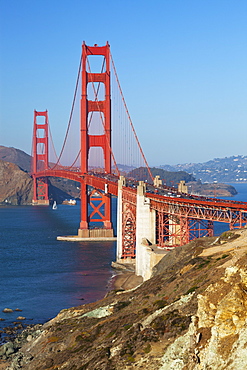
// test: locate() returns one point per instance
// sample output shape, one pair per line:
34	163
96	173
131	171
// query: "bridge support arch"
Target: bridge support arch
126	224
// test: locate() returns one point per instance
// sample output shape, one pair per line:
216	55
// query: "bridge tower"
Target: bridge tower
102	206
40	158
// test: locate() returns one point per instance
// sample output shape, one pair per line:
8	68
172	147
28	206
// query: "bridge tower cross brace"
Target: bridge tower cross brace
88	141
40	158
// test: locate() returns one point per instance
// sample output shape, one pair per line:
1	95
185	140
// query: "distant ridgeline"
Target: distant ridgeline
228	169
16	156
196	187
169	178
16	183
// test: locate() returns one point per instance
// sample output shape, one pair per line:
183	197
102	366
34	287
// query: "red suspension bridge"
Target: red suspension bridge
99	148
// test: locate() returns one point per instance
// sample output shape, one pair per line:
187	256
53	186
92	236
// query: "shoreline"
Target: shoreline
121	281
125	281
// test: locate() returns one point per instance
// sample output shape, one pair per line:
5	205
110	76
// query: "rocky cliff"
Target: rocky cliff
191	314
15	185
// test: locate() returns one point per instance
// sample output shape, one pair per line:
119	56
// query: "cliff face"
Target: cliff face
15	185
191	314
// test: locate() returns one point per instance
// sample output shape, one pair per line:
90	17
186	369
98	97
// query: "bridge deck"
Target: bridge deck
183	205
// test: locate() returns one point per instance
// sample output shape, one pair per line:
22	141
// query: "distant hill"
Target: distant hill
168	178
16	186
228	169
16	156
16	183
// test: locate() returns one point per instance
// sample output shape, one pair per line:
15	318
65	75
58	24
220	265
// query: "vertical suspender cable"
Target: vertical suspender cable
71	112
132	126
103	123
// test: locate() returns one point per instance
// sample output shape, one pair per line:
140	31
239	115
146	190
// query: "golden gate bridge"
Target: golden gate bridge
99	149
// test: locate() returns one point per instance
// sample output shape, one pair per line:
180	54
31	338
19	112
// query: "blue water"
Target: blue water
242	192
241	188
42	275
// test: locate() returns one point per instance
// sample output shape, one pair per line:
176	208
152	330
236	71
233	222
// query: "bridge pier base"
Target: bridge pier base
83	233
95	233
40	202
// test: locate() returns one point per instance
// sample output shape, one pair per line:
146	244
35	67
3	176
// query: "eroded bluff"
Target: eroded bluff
191	314
15	185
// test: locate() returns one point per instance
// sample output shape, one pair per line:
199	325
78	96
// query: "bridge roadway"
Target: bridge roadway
179	204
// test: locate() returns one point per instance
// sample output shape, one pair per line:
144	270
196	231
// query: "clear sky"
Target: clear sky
182	65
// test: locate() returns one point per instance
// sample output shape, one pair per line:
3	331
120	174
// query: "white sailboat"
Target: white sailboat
54	205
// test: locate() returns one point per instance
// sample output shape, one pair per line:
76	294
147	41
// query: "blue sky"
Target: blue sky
182	65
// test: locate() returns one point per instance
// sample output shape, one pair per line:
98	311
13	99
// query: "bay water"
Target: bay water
241	196
41	275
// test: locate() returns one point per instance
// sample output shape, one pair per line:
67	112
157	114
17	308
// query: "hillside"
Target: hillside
190	315
16	186
16	156
228	169
211	190
168	178
16	183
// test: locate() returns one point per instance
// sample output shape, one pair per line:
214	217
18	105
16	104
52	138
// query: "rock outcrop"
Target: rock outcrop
191	314
15	185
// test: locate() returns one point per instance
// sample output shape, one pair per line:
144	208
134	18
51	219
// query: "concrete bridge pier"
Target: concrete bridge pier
145	233
121	183
147	254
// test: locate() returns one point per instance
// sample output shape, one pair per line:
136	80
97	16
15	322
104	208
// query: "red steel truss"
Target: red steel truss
213	210
40	158
172	230
179	221
128	224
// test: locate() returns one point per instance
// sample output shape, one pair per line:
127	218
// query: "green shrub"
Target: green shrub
120	305
160	303
147	349
192	289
